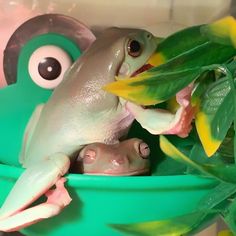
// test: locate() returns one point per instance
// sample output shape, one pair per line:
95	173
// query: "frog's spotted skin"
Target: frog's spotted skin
79	112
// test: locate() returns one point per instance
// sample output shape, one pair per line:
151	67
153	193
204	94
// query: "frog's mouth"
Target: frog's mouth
123	70
142	69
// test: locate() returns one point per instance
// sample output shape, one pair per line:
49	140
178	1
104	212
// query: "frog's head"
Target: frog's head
139	45
129	157
116	52
120	52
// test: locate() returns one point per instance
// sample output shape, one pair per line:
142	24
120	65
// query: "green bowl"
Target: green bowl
100	200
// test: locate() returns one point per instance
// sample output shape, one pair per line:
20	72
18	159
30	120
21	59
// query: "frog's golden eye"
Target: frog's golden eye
134	48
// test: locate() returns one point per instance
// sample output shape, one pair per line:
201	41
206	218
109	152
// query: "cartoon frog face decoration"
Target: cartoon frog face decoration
35	60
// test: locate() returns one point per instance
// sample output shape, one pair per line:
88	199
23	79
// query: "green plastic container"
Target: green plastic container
99	201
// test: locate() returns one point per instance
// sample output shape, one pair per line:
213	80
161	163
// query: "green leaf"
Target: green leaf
206	54
168	83
230	217
157	88
217	104
217	195
172	227
221	31
195	49
220	199
216	114
201	85
187	39
193	37
225	173
226	149
198	155
163	82
168	166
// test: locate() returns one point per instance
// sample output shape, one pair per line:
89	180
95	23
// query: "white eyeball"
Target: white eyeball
47	66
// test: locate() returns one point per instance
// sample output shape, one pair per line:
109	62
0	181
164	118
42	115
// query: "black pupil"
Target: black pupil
49	68
134	46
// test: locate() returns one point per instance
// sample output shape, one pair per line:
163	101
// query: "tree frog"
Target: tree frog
129	157
78	113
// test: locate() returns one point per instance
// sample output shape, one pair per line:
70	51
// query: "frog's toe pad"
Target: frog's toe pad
57	199
182	125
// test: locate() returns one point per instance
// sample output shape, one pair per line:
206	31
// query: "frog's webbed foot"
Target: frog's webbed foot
159	121
33	183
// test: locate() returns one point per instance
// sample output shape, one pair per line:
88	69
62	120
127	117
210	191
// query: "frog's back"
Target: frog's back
56	132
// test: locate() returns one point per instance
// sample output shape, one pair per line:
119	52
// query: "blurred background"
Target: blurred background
161	17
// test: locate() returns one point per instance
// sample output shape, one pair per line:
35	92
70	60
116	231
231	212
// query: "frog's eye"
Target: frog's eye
142	149
47	66
134	48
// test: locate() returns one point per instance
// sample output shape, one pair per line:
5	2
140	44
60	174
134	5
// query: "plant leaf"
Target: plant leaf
225	233
172	227
187	39
230	217
221	31
198	155
217	195
147	92
215	115
201	85
151	87
168	166
225	173
226	149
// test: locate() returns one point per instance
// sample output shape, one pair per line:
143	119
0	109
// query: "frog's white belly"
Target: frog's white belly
57	135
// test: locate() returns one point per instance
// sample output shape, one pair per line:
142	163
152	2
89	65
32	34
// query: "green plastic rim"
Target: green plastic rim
124	182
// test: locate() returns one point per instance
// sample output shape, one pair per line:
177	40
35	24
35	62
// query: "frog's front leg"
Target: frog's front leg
159	121
34	182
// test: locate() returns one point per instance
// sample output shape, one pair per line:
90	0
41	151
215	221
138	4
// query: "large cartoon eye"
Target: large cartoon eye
47	66
134	48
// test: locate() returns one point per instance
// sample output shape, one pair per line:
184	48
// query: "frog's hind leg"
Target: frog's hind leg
34	182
